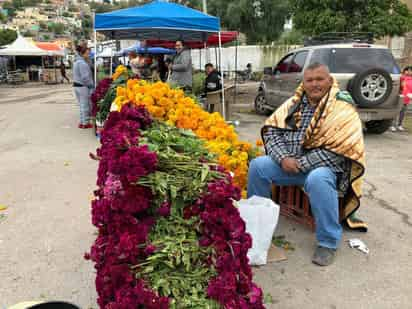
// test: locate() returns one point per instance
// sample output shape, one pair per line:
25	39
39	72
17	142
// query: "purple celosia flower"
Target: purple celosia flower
164	209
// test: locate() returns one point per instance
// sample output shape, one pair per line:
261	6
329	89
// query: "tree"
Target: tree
3	18
29	33
101	7
261	20
43	25
292	37
382	17
11	11
56	28
7	36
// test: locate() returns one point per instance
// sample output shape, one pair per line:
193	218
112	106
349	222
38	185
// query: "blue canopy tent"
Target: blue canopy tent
158	20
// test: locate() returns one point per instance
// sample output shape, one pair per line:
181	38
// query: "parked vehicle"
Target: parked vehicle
369	72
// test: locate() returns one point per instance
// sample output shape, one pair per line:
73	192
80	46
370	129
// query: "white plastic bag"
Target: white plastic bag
261	217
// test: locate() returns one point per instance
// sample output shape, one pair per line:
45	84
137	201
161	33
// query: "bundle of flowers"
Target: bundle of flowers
168	233
106	92
121	71
99	94
173	107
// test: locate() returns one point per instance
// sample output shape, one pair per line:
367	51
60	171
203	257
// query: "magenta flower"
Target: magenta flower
150	249
164	209
125	214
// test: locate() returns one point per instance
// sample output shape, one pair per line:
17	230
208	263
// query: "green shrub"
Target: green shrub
198	83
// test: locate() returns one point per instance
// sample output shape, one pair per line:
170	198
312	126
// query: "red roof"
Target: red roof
212	41
48	46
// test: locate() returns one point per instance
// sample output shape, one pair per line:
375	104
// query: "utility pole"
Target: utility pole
205	6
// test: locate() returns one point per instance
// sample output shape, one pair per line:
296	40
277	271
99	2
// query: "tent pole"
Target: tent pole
55	72
200	59
95	52
216	59
236	50
41	76
111	63
223	77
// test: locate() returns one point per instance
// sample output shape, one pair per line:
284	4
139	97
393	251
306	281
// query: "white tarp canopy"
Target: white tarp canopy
22	47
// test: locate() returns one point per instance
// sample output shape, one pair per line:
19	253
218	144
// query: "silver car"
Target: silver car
369	72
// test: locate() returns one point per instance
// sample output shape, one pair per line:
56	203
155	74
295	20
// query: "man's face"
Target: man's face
316	83
179	46
209	70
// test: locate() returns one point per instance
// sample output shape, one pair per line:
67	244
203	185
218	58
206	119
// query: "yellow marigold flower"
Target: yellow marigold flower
147	100
172	106
120	91
259	143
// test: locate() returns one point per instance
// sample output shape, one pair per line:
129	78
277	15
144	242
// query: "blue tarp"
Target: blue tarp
148	50
157	20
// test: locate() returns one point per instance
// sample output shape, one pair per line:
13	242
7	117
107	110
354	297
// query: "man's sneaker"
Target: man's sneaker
400	128
323	256
392	129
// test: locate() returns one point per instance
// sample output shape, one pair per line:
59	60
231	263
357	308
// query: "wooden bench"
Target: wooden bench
294	204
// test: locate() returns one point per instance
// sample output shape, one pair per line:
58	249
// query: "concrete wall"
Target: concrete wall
258	56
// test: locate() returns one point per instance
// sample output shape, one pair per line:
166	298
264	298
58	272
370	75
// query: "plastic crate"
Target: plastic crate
294	204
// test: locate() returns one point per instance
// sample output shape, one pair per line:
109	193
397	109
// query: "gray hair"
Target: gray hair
317	65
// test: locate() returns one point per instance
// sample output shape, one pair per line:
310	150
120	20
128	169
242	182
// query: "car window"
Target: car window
355	60
298	62
283	65
321	55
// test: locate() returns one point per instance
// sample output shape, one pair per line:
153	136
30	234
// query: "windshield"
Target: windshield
355	60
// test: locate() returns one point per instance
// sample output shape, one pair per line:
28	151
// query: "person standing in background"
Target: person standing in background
63	73
134	63
406	92
181	68
83	85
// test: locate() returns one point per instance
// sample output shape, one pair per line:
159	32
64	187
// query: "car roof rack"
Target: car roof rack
340	37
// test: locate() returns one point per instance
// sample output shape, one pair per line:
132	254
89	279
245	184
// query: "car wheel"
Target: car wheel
260	103
378	126
371	87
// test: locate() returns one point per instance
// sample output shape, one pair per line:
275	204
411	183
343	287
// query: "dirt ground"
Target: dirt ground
46	180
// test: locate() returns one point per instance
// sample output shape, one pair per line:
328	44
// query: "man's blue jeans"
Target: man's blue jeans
319	184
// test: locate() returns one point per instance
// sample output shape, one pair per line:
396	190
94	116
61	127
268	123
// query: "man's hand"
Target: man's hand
290	165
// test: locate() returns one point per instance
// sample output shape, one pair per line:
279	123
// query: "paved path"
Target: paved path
46	180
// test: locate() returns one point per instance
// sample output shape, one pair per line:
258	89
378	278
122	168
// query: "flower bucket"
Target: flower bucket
98	128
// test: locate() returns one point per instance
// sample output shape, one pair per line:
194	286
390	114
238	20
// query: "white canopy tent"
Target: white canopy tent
22	47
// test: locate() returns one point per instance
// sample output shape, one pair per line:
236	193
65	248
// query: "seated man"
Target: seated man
213	82
315	140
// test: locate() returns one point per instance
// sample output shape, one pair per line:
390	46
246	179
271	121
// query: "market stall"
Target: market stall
28	54
51	74
159	20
